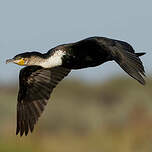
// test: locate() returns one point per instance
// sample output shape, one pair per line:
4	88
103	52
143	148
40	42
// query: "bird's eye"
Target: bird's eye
25	60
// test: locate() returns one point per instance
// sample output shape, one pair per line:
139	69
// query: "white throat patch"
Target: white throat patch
54	60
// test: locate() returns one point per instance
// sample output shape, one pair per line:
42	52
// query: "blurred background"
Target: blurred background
97	109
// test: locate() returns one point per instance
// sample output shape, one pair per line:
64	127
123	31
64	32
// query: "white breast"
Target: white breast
53	61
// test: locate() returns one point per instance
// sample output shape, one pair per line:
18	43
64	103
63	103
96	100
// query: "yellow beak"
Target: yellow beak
20	62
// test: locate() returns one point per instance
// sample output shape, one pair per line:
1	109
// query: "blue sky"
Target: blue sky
35	25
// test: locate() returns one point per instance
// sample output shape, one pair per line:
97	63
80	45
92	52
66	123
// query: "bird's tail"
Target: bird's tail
140	54
131	63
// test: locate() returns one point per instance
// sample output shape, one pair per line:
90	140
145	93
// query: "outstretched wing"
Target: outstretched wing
129	61
35	87
105	49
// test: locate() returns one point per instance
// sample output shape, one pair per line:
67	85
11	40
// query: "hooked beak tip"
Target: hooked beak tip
9	60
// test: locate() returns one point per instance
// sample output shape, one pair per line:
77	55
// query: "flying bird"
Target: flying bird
44	71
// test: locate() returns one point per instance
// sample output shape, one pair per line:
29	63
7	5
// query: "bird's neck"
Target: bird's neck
55	59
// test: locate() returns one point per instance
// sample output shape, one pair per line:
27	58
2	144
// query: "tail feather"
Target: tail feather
131	64
140	54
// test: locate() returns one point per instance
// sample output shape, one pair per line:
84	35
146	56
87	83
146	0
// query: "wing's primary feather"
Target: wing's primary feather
124	54
129	62
36	85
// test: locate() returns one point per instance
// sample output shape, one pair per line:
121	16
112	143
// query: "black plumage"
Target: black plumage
94	51
36	85
36	82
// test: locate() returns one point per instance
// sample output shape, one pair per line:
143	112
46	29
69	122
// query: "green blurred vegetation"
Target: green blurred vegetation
114	116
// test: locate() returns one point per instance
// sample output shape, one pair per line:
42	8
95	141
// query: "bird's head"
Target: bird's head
26	59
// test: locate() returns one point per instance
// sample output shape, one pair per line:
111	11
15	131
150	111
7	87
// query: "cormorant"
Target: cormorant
44	71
